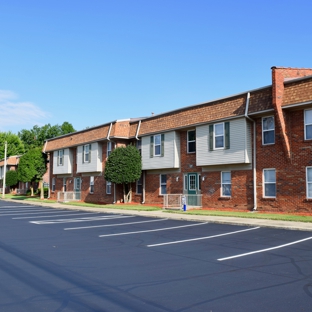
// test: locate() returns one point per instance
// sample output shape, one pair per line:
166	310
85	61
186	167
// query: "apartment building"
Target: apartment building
248	151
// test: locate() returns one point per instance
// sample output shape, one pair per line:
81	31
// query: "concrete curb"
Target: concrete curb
288	225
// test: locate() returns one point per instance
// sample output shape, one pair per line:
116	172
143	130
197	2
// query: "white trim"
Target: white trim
305	125
308	182
214	136
221	189
267	130
187	141
162	184
264	183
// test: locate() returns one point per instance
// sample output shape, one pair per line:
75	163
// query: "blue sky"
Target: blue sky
92	62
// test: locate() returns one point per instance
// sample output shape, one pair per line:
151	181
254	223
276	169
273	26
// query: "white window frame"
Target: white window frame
162	184
64	185
308	183
270	182
86	153
224	183
218	135
306	124
268	130
60	157
109	148
53	184
139	185
91	185
108	187
191	141
156	145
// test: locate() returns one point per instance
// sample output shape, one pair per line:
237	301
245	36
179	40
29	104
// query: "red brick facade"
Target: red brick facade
289	155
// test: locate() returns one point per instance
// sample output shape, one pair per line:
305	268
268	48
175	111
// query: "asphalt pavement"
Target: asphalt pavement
289	225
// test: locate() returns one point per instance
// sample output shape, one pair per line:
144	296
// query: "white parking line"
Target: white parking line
155	230
201	238
263	250
80	219
61	215
27	213
118	224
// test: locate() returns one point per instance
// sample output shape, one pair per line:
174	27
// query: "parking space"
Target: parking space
91	261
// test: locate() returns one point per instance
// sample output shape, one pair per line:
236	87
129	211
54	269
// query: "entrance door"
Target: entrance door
77	188
192	188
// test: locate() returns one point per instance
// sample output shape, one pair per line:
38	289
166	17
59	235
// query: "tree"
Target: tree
11	178
37	135
32	166
15	145
124	166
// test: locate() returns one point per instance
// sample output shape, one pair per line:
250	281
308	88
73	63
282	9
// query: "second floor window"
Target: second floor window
109	148
157	145
191	141
308	124
219	136
60	157
268	130
87	153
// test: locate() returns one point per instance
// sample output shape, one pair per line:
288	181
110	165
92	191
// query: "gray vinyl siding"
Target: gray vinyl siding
240	145
171	158
95	165
67	167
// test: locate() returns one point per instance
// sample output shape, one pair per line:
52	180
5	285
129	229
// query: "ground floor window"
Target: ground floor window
163	184
269	185
226	183
53	185
309	182
91	184
64	184
108	187
139	185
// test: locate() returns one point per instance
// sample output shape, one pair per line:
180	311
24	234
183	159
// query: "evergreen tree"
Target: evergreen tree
124	166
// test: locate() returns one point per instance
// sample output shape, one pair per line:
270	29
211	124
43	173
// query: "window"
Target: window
163	184
53	184
87	153
108	187
226	189
91	184
268	130
219	136
185	184
157	145
109	148
269	178
64	184
309	182
139	146
308	124
60	157
139	185
191	141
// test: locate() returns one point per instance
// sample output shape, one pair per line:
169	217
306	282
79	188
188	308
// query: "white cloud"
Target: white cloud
15	113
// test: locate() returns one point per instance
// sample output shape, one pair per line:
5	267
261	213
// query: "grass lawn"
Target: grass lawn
204	212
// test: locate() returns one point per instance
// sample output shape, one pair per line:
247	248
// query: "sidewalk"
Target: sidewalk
289	225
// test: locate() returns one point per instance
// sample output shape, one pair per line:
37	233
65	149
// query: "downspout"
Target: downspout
143	187
138	129
143	172
254	154
114	202
109	131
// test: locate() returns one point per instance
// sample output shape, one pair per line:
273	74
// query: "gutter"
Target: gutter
254	172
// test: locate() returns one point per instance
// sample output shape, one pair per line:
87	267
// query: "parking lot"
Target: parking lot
71	260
